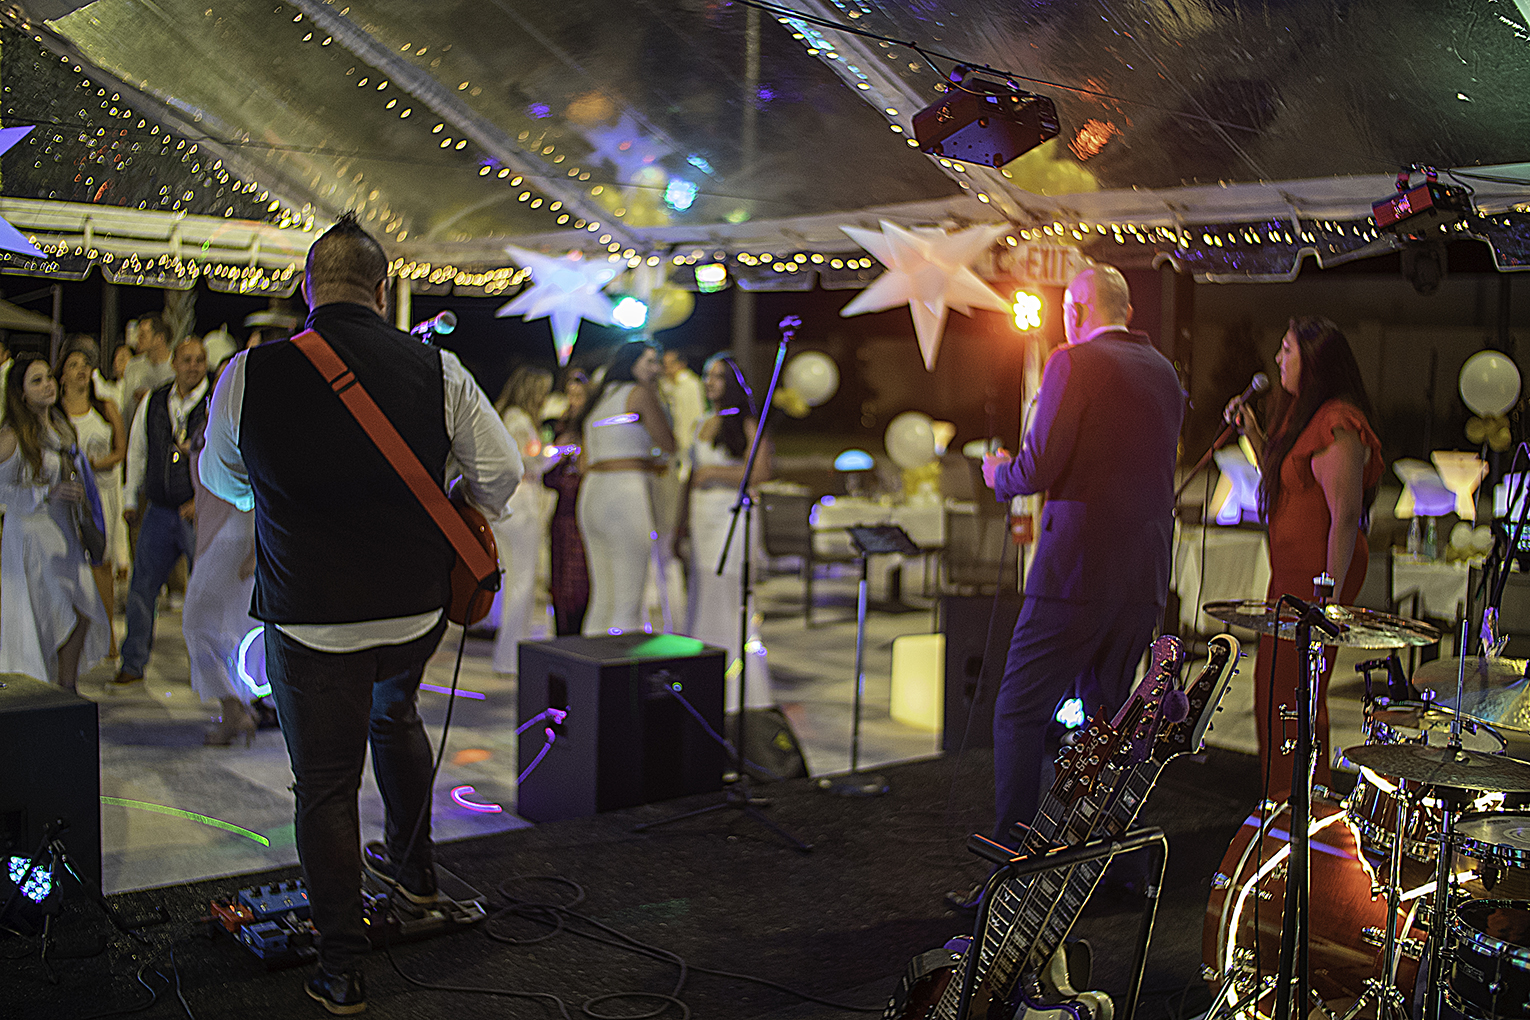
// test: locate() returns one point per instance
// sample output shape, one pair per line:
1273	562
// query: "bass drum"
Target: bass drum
1241	937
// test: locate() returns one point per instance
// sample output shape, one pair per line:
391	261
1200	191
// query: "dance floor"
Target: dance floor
720	891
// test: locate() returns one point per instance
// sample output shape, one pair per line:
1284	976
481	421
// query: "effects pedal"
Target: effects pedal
272	921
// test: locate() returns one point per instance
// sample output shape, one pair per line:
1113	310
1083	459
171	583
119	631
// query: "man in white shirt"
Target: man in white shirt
351	575
159	497
151	368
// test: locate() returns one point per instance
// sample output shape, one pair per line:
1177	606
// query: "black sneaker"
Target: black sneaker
341	994
415	884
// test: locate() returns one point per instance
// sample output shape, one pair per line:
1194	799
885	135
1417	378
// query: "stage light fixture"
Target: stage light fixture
1027	307
629	313
987	122
1413	211
38	884
711	277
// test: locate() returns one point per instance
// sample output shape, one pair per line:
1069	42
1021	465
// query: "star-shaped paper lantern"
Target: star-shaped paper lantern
931	272
563	290
626	147
11	239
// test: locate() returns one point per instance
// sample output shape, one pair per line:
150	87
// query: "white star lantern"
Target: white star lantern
563	290
626	147
11	239
931	272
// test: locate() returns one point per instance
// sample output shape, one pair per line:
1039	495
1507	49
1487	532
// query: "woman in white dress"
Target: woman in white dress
626	439
53	624
520	535
717	467
217	614
103	436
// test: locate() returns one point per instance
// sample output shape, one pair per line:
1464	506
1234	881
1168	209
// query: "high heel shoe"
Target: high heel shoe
223	734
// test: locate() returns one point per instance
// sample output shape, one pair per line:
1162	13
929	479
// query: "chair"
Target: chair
979	556
786	530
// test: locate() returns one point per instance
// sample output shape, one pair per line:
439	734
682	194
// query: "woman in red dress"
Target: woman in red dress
1320	467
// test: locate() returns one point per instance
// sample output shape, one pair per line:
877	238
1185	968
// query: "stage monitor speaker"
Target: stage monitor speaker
626	737
50	769
966	628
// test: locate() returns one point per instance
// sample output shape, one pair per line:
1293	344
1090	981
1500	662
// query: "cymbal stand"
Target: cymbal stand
1383	990
1434	989
1293	979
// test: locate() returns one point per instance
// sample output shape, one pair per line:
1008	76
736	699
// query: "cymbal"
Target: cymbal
1362	628
1444	766
1496	691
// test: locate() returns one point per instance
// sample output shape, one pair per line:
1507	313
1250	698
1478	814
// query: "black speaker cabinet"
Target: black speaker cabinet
966	628
627	739
50	769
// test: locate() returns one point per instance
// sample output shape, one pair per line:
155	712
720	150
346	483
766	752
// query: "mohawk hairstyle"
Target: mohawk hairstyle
346	257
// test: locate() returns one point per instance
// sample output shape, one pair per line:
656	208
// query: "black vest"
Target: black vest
339	537
167	473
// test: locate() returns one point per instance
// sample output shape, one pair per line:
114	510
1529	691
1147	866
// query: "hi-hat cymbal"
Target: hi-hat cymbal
1444	766
1495	690
1361	628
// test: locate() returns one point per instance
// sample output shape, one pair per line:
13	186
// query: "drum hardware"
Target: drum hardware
1486	690
1383	991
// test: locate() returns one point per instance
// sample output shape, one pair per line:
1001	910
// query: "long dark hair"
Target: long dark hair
21	418
84	345
1328	372
618	371
736	405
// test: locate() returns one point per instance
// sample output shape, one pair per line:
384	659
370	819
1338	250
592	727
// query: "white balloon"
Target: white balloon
1489	383
813	375
910	440
1461	536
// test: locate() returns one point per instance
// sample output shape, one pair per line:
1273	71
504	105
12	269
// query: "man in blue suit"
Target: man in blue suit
1101	444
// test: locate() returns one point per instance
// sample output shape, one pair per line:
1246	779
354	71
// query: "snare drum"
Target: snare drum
1500	842
1490	959
1372	807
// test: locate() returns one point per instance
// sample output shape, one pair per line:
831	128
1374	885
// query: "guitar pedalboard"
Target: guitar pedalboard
272	921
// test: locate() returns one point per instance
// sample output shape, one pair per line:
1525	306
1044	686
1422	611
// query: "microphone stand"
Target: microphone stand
738	796
1216	444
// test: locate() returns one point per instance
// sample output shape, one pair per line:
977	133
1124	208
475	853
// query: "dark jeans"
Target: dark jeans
1059	649
163	538
331	706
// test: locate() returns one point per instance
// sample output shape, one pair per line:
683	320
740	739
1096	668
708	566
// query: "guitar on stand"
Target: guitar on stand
1015	963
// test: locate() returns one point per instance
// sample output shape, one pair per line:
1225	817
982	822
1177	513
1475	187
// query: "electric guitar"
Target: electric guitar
1102	780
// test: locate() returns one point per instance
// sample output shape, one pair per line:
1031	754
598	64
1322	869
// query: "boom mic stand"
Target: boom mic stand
738	796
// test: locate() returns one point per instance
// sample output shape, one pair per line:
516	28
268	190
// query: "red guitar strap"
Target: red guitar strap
392	446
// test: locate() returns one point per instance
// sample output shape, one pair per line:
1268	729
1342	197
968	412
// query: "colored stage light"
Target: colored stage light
38	884
1027	308
460	692
1071	713
629	313
711	277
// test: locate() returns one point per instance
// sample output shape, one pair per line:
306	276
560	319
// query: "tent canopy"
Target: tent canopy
213	137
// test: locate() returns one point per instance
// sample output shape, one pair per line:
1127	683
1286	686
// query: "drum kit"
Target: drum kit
1422	874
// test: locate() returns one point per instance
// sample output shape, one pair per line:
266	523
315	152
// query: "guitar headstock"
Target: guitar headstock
1147	700
1078	765
1203	697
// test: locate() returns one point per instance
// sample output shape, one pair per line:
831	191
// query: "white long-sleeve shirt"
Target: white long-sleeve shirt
481	450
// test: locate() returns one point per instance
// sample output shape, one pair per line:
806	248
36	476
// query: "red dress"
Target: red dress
1299	552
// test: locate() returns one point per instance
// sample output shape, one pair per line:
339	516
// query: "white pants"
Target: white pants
714	598
519	539
616	519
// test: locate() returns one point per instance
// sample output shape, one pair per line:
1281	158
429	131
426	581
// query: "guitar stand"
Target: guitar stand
1010	867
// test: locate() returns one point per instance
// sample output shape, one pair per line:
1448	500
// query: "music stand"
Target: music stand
866	540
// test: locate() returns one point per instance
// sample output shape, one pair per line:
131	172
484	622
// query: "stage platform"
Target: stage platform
719	891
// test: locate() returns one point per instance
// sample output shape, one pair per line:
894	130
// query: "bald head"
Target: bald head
346	264
1095	298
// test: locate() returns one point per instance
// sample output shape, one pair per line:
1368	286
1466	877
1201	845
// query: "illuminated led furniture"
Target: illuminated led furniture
626	739
50	768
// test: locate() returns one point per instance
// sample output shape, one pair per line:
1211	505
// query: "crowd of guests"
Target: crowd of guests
630	470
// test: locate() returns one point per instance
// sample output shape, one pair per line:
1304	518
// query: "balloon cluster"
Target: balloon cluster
808	380
1490	387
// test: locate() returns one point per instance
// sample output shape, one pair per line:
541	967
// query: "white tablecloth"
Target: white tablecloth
925	522
1237	566
1441	586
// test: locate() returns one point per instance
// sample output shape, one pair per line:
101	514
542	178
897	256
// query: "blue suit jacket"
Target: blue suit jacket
1101	444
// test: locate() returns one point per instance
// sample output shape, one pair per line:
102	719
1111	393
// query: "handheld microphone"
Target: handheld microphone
1256	386
441	325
